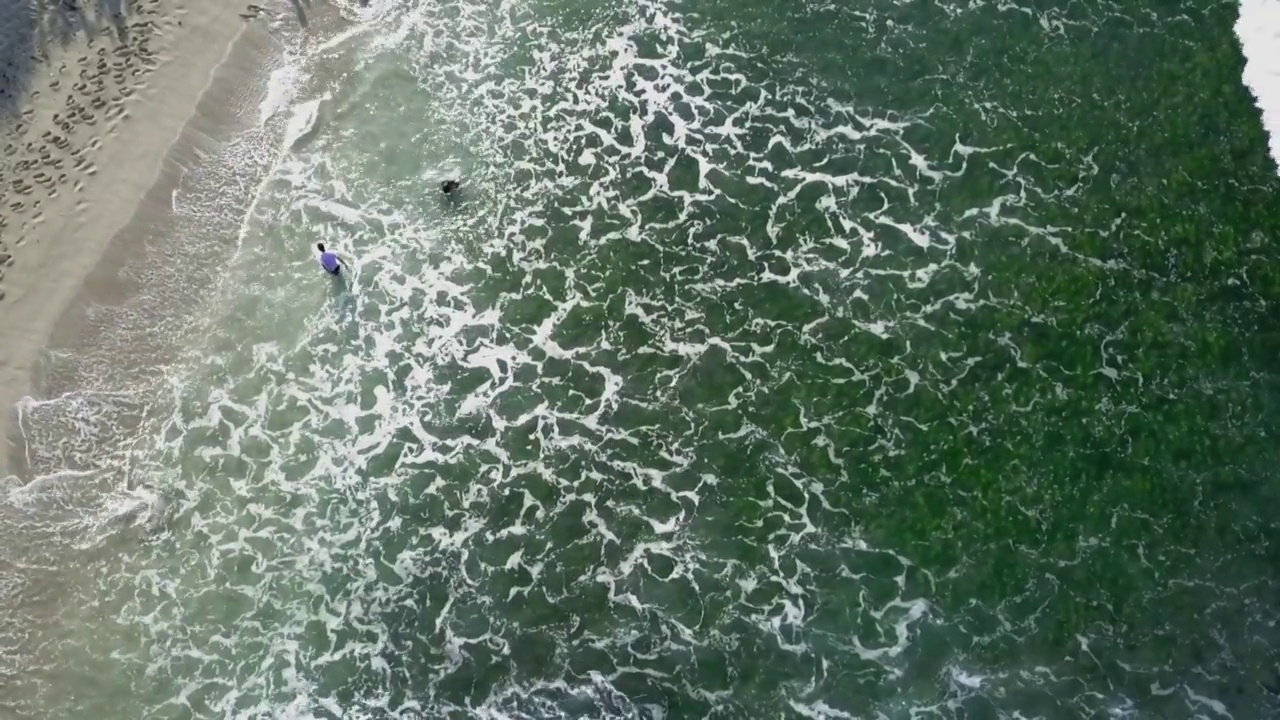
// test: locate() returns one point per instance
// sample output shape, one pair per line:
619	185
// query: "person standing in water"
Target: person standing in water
330	261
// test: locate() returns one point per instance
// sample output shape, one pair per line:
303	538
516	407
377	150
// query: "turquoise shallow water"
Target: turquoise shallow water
900	360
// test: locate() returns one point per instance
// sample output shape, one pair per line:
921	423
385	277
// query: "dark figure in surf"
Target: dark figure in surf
330	261
450	186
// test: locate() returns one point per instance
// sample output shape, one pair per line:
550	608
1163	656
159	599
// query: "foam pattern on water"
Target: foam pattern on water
709	395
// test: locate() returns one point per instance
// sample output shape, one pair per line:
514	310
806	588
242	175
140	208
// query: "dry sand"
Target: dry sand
86	138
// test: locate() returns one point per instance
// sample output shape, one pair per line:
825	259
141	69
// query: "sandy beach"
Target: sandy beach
93	103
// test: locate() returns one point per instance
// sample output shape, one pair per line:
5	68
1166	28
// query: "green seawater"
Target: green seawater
852	360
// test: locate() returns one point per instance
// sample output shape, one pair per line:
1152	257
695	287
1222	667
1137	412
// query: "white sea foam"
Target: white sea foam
282	87
270	452
302	122
1258	28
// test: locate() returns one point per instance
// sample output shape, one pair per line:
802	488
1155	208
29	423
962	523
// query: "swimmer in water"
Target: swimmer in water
448	186
330	261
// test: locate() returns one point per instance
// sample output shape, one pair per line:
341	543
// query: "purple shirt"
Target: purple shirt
329	261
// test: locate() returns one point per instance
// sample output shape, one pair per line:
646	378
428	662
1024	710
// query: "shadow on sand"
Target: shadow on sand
31	29
300	8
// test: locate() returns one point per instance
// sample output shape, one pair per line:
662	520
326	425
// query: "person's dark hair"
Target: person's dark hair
320	247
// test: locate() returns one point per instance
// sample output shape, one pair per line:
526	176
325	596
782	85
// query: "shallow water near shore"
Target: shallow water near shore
760	368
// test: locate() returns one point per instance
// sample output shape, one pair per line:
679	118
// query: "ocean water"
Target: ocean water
853	360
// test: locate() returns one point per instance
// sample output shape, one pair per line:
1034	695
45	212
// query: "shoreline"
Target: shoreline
68	250
126	273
